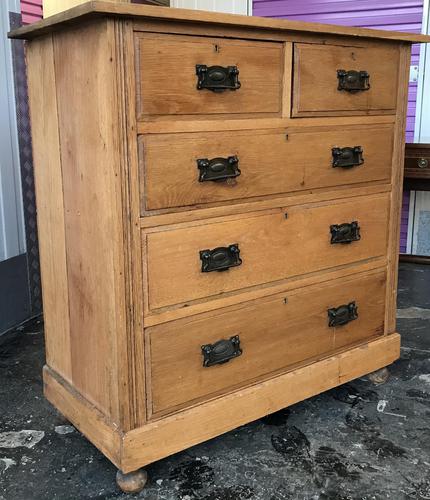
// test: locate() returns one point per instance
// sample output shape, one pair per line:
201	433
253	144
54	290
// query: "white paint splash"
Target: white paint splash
18	439
64	429
413	313
8	462
425	377
382	404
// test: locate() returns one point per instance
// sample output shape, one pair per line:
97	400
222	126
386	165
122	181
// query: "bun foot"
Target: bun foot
380	376
133	482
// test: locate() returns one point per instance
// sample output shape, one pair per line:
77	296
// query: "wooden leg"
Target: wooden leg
133	482
380	376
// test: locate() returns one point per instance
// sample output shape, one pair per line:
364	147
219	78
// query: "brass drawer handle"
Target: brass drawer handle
217	78
220	258
338	316
222	351
218	169
345	233
347	157
353	81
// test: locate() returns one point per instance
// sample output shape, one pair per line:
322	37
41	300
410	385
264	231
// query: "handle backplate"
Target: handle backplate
353	81
218	169
345	233
347	157
217	78
220	258
222	351
338	316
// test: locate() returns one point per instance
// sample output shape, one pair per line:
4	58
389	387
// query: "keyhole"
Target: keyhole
217	48
353	56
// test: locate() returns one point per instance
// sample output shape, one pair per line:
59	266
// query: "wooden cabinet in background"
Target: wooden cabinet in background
218	208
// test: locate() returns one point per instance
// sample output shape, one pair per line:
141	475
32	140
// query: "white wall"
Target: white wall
228	6
12	239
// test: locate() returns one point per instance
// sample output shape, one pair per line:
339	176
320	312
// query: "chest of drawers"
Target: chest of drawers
218	208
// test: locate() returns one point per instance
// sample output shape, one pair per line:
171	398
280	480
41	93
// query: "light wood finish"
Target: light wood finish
187	428
272	247
274	334
271	162
122	218
51	7
315	88
166	436
50	203
101	8
166	72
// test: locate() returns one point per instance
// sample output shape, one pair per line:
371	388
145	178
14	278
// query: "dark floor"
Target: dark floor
355	442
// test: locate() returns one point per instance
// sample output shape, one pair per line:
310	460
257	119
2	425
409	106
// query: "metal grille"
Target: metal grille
26	164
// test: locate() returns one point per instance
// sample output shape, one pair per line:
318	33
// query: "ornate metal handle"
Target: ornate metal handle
342	315
218	169
347	157
220	259
345	233
353	81
222	351
217	78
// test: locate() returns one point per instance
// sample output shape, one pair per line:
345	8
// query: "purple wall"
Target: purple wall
399	15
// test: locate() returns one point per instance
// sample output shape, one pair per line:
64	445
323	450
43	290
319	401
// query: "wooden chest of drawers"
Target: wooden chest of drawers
218	207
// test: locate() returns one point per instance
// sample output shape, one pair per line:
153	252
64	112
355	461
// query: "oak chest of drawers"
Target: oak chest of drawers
218	207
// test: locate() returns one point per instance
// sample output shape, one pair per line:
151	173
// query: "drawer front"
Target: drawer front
167	79
273	334
187	169
275	245
316	80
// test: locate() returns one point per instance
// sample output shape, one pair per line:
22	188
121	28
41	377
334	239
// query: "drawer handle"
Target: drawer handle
347	157
218	169
345	233
342	315
220	259
222	351
353	81
217	78
423	163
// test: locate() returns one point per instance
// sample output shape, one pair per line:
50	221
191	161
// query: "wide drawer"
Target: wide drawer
272	334
179	169
321	70
272	245
167	67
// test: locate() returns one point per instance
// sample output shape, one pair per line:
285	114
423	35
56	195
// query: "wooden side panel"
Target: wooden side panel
187	428
50	210
89	136
396	193
274	334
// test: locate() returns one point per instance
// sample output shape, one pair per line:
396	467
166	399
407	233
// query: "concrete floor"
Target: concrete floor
355	442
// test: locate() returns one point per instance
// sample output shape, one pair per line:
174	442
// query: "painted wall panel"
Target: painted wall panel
226	6
31	11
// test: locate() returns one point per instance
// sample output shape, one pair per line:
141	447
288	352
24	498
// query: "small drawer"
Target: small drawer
184	263
336	80
183	75
194	169
196	358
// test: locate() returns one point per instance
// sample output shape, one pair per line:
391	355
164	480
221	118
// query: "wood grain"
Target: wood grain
271	162
90	158
49	198
272	247
102	8
274	334
315	79
393	246
170	88
189	427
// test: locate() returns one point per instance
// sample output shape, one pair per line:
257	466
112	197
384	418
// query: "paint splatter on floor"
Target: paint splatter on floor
336	446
